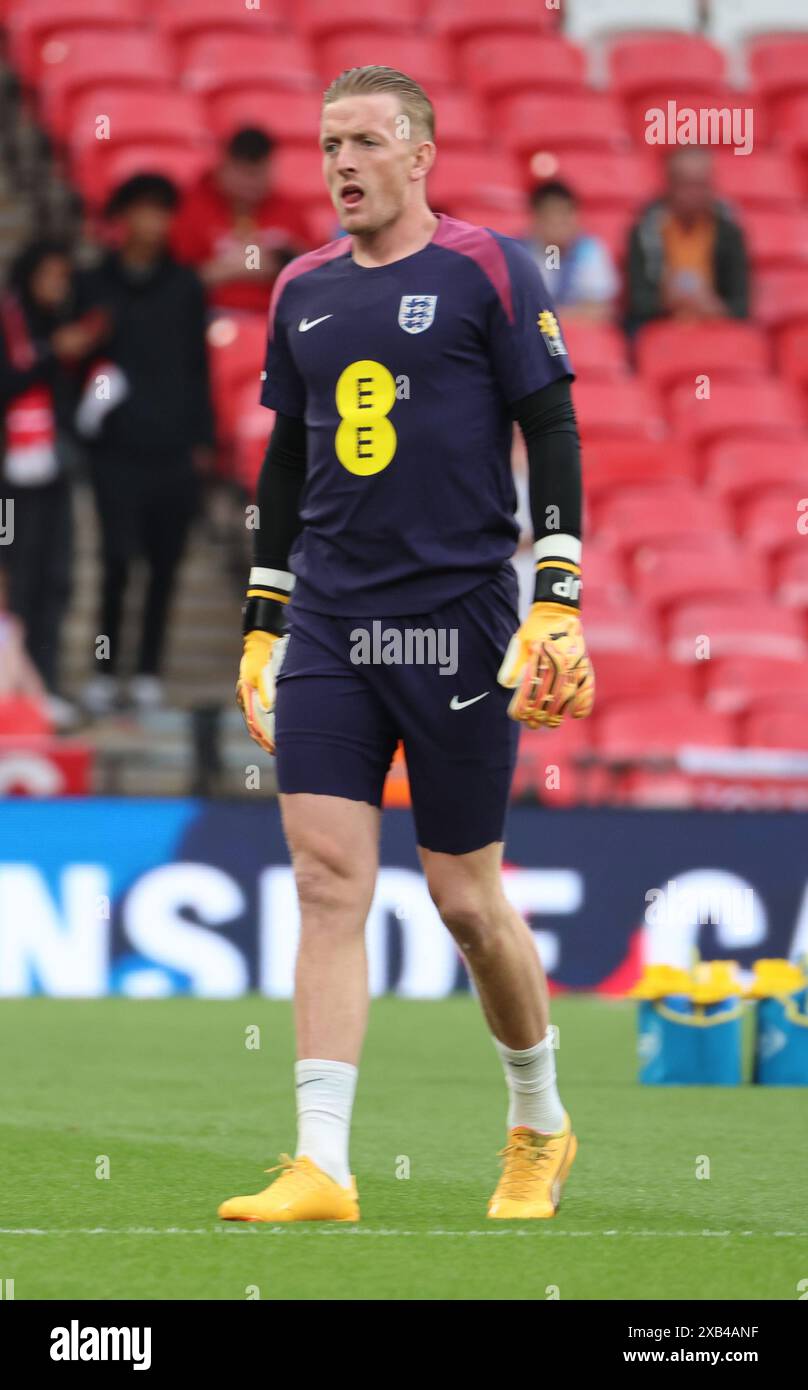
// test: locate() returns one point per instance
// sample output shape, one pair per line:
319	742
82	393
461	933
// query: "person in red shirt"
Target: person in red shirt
235	230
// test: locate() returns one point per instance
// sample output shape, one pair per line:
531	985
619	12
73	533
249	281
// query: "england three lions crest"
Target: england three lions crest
416	312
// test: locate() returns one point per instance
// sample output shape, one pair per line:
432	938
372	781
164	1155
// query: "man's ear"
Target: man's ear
424	158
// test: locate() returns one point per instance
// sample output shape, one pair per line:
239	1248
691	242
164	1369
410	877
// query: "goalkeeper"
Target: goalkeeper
398	358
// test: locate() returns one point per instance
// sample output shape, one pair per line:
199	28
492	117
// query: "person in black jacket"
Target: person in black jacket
43	345
155	434
687	255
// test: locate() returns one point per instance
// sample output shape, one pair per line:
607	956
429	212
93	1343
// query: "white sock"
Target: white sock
325	1093
531	1078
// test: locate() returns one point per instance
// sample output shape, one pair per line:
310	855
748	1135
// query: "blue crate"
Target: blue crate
682	1044
781	1042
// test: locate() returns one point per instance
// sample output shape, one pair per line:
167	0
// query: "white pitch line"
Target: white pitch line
251	1228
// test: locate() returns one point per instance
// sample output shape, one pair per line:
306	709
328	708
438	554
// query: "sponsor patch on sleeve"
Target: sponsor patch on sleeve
550	331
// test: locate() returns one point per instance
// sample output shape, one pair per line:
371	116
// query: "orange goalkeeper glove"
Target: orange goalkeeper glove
547	666
255	692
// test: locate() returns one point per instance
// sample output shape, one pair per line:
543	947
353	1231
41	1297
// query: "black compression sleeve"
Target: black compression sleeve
547	420
280	485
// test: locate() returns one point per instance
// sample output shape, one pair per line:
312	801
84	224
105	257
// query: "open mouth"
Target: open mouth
351	195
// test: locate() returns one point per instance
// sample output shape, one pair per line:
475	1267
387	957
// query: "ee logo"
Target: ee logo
366	441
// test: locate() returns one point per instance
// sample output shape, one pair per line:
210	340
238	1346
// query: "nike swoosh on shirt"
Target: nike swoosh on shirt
455	703
306	324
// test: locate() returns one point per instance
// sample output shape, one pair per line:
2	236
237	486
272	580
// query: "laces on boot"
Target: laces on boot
523	1163
293	1167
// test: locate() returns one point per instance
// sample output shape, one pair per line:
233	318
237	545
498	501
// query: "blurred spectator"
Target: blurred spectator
154	437
236	230
42	348
687	257
18	674
576	267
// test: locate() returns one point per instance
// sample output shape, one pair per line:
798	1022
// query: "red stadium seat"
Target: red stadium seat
459	121
642	115
667	514
322	223
230	62
714	109
236	352
318	19
738	469
182	164
791	353
781	297
152	119
618	626
547	765
460	19
606	573
182	21
778	67
776	726
21	716
777	237
496	65
644	677
426	58
596	349
287	116
755	628
792	128
645	62
658	728
772	522
612	465
624	409
79	59
612	225
604	179
508	221
31	24
298	173
769	178
165	115
254	425
670	352
791	576
763	407
733	685
531	122
674	574
647	71
493	179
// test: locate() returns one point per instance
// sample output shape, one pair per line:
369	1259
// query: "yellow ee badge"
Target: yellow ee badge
551	333
366	441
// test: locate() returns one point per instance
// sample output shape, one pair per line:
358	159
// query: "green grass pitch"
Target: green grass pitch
187	1115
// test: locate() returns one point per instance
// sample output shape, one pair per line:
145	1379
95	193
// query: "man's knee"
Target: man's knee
476	921
329	881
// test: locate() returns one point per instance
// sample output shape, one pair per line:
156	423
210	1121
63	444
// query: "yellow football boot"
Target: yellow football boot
303	1192
535	1168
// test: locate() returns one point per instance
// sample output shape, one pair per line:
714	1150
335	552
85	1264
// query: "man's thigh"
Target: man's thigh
334	847
459	743
334	736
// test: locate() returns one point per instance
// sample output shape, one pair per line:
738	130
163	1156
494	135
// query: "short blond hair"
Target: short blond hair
363	81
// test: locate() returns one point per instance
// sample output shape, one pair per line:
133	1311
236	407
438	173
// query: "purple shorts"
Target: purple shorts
350	688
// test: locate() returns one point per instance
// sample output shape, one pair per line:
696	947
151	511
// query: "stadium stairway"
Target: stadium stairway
35	198
197	742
